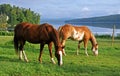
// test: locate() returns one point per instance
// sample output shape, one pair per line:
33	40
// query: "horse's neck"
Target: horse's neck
56	45
93	40
56	40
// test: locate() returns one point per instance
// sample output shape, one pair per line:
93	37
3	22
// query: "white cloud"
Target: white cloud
85	9
68	8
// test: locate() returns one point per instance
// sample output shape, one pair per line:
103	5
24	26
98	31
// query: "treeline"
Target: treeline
12	15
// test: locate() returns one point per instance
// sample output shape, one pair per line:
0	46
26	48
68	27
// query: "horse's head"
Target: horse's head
58	55
95	49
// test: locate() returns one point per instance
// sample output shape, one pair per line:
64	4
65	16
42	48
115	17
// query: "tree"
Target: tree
17	15
3	21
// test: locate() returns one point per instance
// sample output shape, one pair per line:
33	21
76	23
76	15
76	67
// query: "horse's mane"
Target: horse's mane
93	39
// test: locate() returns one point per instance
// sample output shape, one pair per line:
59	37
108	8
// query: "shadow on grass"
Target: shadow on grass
8	59
6	47
17	60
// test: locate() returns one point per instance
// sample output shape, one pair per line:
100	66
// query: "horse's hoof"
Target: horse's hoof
27	60
77	54
40	62
54	63
87	55
64	54
20	58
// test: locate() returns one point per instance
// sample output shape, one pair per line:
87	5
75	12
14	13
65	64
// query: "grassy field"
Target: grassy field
106	64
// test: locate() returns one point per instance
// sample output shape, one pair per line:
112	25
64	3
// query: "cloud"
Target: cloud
85	9
68	8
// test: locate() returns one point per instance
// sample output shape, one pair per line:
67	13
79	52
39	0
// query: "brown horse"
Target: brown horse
79	33
38	34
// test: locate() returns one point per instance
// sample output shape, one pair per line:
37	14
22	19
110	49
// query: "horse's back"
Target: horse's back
87	32
21	26
34	33
66	30
82	28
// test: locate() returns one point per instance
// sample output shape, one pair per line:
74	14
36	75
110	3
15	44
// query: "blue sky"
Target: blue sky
68	8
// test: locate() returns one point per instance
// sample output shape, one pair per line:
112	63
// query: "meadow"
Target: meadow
106	64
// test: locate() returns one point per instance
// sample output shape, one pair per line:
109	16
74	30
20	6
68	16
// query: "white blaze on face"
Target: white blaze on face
95	51
60	53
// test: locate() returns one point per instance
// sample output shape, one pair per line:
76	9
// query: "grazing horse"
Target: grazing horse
79	33
37	34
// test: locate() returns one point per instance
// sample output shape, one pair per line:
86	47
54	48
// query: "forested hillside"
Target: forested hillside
102	21
110	18
12	15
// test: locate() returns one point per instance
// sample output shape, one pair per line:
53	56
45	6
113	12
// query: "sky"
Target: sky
68	9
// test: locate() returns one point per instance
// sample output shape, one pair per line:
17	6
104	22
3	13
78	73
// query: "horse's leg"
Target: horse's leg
50	51
22	51
20	55
41	49
63	44
25	57
85	46
78	47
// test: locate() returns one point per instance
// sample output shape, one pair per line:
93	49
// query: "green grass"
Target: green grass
106	64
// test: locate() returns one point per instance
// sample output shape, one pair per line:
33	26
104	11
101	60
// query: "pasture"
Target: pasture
106	64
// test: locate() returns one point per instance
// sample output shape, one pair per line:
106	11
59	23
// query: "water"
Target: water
95	30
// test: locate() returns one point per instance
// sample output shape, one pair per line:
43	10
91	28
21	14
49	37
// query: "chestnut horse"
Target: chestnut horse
37	34
79	33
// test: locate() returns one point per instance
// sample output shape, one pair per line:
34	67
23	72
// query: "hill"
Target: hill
103	21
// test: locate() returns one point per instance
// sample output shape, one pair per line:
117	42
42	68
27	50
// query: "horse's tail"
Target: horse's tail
16	44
